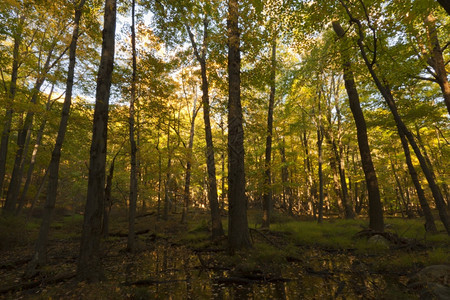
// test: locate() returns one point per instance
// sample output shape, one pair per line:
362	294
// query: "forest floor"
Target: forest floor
295	259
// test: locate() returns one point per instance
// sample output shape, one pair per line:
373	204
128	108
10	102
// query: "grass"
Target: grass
330	234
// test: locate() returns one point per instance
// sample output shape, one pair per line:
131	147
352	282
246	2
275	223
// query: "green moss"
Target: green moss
438	256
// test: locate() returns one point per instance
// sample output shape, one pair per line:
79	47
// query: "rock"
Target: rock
379	241
433	282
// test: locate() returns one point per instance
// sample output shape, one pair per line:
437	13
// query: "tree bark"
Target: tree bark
217	229
436	61
89	264
267	197
168	178
187	179
131	120
9	107
375	207
238	234
40	254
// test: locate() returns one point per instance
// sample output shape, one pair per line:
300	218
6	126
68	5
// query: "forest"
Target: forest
208	149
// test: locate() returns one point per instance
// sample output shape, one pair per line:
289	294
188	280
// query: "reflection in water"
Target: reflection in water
178	274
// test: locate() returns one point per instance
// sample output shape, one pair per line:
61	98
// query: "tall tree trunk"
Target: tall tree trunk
9	105
267	197
216	230
168	178
320	160
40	254
436	61
158	210
401	127
375	208
89	262
133	172
238	233
187	179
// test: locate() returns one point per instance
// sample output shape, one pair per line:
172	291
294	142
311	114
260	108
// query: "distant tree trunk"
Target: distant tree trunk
285	178
40	255
320	160
89	262
310	182
158	209
187	179
238	233
402	129
168	178
133	172
436	61
401	194
267	197
9	107
25	132
37	144
375	208
217	230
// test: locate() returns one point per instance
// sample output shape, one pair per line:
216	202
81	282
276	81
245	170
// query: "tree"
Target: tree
40	255
238	234
267	197
11	92
131	123
375	208
403	131
217	230
89	263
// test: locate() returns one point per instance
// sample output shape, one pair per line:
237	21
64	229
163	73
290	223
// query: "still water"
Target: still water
177	273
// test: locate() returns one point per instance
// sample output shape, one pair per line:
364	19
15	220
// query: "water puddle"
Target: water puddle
178	273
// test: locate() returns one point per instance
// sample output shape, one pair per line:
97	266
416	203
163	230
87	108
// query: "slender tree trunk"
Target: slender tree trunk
108	199
285	178
37	195
89	262
37	144
9	107
217	230
267	197
375	207
158	203
436	61
238	233
40	254
187	179
402	129
133	172
168	178
320	160
401	194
